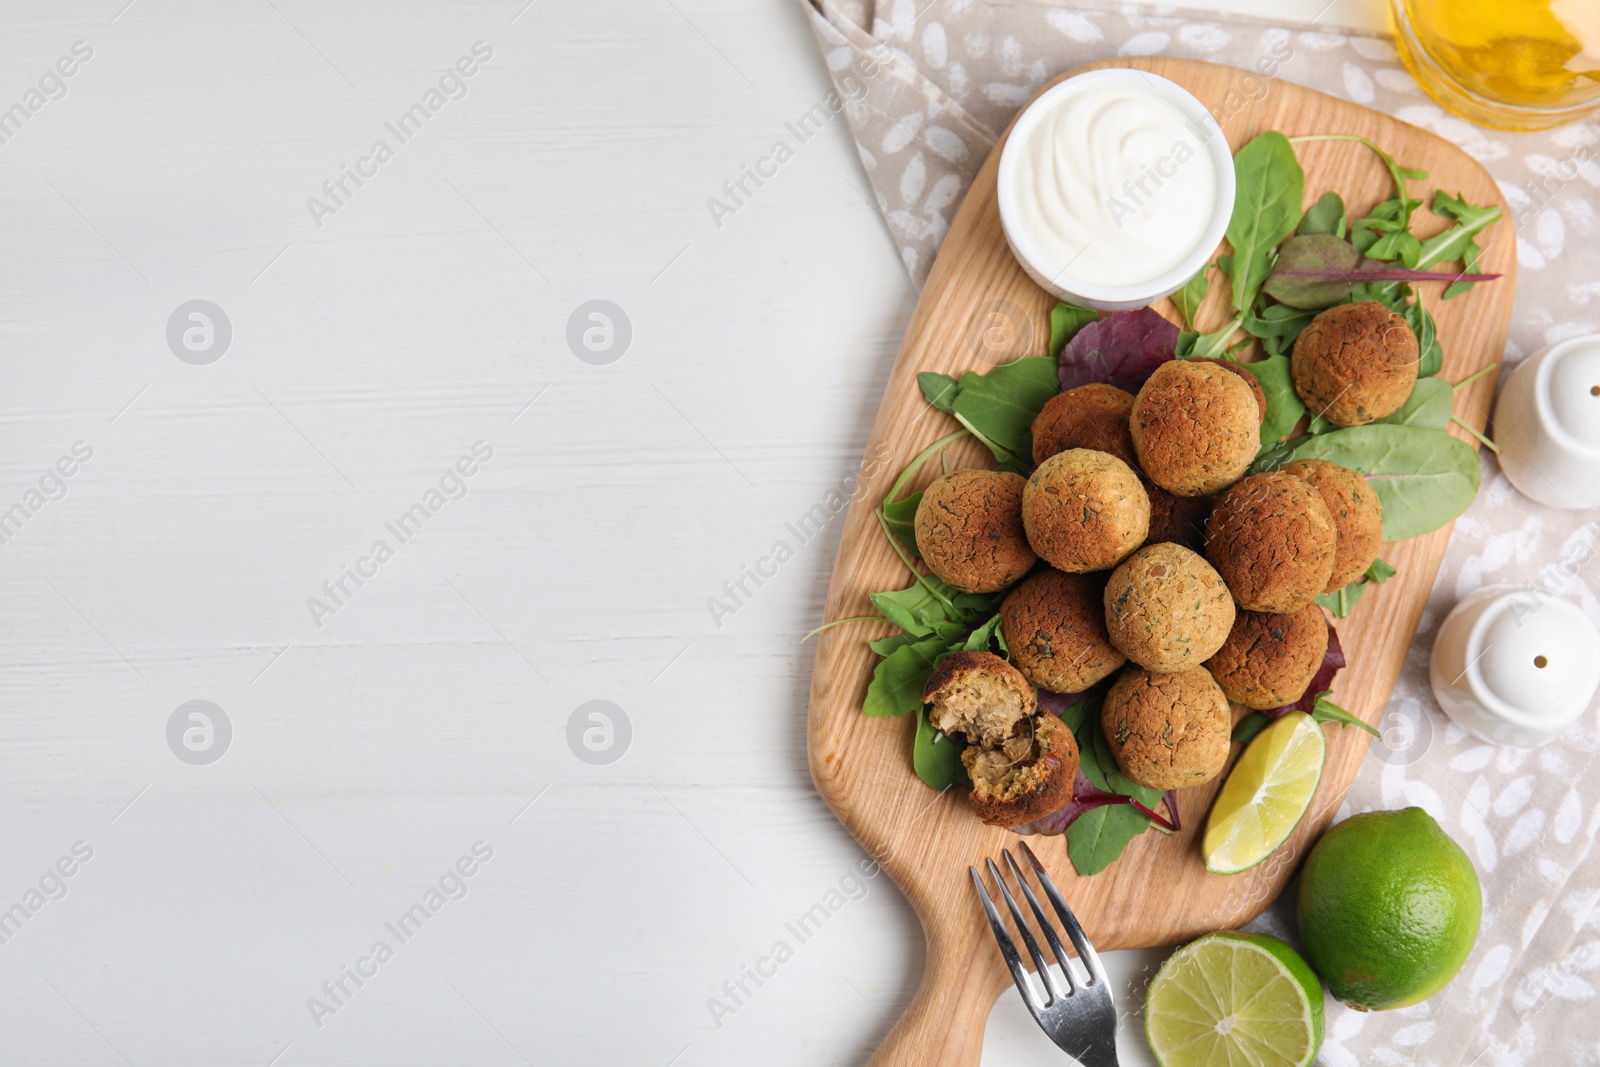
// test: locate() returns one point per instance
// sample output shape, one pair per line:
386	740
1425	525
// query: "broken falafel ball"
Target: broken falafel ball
1085	511
978	695
1027	776
1273	541
1357	516
1195	426
1055	626
1167	609
1167	731
969	530
1269	659
1355	363
1091	416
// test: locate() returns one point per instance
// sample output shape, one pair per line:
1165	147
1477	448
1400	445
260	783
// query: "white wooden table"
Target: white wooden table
415	725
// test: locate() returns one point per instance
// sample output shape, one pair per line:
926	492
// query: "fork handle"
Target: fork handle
943	1026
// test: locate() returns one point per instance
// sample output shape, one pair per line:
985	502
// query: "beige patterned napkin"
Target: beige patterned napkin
926	85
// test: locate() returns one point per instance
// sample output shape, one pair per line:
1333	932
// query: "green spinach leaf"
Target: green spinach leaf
999	407
1100	835
897	682
936	758
1327	215
1284	406
1429	406
1425	478
939	390
1266	209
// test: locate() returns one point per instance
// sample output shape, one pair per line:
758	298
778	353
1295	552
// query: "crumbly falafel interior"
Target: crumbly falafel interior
984	709
1008	770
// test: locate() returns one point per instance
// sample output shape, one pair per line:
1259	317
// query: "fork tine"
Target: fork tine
1008	948
1086	952
1053	989
1044	923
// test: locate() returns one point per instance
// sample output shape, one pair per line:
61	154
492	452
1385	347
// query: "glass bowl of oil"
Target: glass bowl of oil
1509	64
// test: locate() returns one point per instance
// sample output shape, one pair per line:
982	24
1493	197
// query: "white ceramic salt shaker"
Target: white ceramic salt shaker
1515	666
1547	424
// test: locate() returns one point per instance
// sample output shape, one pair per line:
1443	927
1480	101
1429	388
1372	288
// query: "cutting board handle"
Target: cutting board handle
943	1026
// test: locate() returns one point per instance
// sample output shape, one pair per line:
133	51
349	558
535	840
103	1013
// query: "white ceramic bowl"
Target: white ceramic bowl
1054	276
1515	666
1547	424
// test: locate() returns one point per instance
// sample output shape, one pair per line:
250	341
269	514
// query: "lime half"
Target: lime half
1234	999
1264	797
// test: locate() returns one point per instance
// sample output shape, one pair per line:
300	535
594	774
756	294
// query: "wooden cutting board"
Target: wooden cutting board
979	309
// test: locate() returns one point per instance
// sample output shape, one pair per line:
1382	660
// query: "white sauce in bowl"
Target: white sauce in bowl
1115	186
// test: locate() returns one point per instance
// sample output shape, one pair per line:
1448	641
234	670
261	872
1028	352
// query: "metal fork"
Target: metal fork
1081	1019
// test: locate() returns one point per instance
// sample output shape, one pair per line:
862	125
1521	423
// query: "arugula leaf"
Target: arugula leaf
885	645
1457	242
901	518
1428	407
915	609
1327	711
1284	406
1266	209
1380	571
1191	294
1192	345
936	758
1404	205
1425	478
978	640
897	682
1278	326
1327	215
1065	322
1100	835
999	407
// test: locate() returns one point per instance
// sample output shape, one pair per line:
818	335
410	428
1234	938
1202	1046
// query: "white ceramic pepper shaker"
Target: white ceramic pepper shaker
1547	424
1515	665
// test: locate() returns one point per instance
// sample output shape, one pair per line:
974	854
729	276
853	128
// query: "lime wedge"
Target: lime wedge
1265	795
1234	999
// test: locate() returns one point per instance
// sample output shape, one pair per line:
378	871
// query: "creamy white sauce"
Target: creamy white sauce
1115	186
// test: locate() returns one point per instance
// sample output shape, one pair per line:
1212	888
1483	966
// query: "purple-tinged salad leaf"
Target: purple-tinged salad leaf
1122	349
1319	270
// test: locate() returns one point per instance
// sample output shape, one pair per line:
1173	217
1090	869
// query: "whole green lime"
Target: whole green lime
1389	908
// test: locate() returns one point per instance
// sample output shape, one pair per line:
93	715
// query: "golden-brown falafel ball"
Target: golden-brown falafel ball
1167	609
1085	510
1272	540
979	695
1355	363
1195	427
1089	416
1357	516
1244	376
1268	659
1025	777
969	530
1055	626
1178	519
1167	731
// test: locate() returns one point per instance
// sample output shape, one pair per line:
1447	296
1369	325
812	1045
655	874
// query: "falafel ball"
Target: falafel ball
1178	519
1027	776
978	695
1167	731
969	530
1167	609
1269	659
1355	363
1084	511
1089	416
1357	516
1273	541
1244	376
1055	626
1195	427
